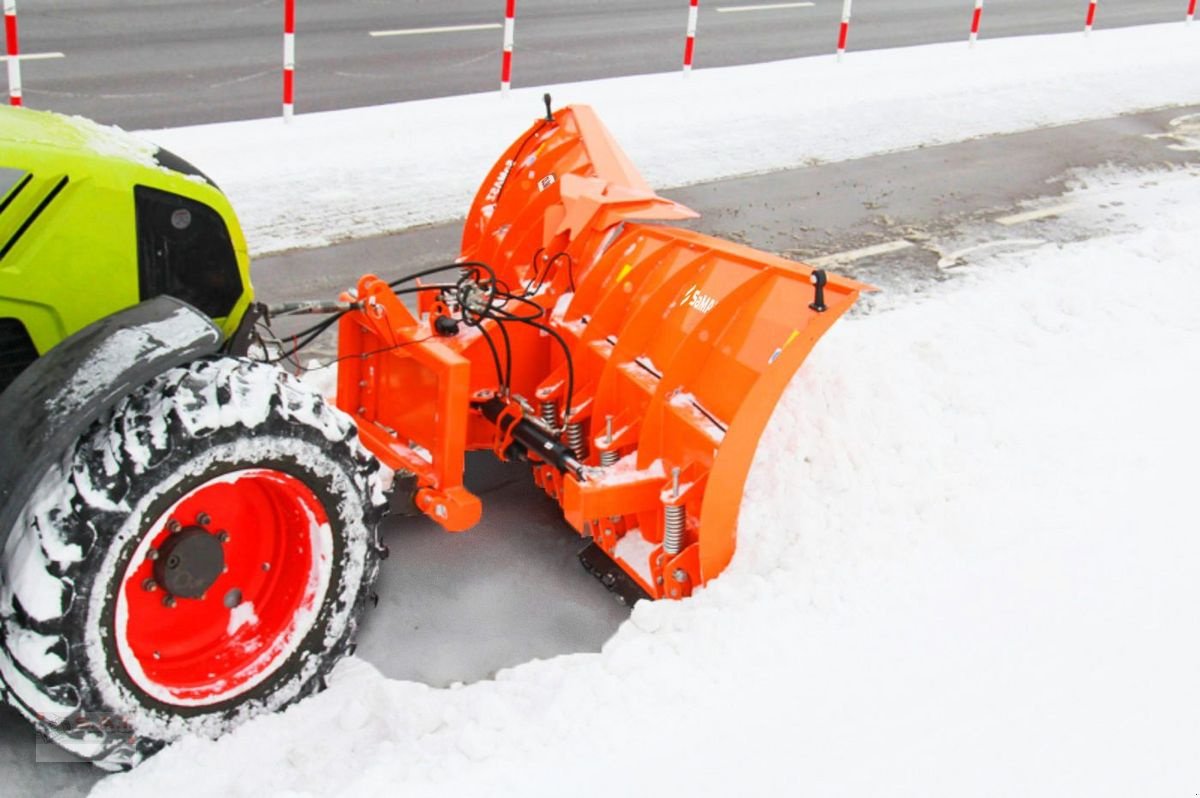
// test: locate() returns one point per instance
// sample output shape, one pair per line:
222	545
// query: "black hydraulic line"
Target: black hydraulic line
491	345
471	264
570	365
507	352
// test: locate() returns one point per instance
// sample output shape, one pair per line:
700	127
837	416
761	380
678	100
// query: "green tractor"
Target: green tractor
187	537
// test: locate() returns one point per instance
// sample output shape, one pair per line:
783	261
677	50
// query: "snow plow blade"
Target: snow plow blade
656	357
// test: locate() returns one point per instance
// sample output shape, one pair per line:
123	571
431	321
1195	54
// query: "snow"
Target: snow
965	562
123	349
636	551
331	176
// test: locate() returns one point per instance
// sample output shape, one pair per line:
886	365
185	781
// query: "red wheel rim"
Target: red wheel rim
277	549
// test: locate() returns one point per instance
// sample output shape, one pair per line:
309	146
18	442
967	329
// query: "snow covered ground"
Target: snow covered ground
967	554
346	174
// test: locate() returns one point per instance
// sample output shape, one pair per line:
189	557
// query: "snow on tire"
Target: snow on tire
201	555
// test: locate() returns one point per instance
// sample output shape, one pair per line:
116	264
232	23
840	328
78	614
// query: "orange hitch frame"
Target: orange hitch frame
634	365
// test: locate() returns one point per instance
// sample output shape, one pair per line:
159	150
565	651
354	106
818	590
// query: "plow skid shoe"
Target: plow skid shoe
657	358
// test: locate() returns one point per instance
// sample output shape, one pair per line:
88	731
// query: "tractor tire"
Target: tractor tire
202	555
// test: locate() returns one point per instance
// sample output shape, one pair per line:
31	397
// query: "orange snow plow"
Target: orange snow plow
634	365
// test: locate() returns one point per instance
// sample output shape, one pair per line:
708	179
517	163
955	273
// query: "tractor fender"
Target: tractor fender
58	397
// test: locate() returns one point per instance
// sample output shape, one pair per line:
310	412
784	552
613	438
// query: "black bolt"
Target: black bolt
223	536
168	601
174	526
152	555
173	561
819	280
203	519
149	585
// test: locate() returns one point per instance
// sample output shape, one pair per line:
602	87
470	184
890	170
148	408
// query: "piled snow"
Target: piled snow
967	566
346	174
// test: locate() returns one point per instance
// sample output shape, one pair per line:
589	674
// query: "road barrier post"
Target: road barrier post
844	29
1091	17
289	59
975	18
13	50
689	45
510	21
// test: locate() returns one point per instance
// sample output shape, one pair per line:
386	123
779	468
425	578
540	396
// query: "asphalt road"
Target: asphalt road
174	62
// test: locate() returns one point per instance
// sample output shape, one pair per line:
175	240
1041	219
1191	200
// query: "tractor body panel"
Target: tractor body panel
92	221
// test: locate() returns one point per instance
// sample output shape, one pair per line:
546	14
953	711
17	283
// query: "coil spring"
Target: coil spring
549	414
609	457
674	518
576	441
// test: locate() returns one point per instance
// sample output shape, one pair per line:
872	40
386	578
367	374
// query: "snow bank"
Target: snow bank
346	174
967	566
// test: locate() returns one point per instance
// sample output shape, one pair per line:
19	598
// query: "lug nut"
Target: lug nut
203	519
174	526
168	601
149	585
152	555
223	536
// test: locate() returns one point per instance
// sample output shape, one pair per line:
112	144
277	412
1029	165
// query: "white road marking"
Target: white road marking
34	56
956	258
1029	216
852	255
763	7
446	29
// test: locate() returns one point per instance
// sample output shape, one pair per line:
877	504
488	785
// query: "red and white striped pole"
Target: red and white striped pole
1091	17
689	45
510	24
1191	11
844	30
13	51
289	59
975	18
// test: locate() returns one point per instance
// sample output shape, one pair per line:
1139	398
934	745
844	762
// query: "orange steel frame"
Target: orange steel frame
681	345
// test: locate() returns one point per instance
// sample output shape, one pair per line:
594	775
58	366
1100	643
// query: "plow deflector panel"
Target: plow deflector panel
638	363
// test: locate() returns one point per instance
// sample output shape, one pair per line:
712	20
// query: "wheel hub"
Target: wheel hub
188	562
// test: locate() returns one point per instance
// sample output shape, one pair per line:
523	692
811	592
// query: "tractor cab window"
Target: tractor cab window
11	183
184	250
